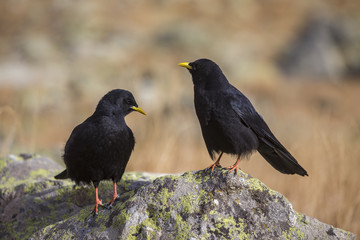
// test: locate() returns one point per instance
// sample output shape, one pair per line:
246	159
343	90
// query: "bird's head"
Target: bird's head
205	73
118	102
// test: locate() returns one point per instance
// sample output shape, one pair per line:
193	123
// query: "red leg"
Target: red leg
235	166
97	202
115	196
217	163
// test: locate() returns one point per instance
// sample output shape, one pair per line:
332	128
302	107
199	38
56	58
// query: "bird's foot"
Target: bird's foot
111	202
233	167
212	166
216	164
96	207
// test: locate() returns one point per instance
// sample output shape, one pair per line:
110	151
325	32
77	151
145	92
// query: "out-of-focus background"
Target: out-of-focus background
297	61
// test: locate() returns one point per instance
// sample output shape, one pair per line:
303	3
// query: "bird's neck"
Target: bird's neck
115	123
213	84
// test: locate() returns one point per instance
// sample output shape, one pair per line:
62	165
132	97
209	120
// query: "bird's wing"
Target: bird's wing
249	117
82	137
269	147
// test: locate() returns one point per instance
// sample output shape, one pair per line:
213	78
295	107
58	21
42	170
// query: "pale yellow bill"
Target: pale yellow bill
138	109
185	64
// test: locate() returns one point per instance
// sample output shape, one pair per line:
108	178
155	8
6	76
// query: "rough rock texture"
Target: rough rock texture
195	205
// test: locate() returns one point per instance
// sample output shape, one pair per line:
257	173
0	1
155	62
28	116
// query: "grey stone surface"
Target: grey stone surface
194	205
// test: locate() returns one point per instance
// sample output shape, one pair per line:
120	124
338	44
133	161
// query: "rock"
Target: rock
325	48
194	205
31	199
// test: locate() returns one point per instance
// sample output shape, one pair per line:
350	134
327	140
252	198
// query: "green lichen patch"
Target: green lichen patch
256	184
194	177
183	228
300	218
159	204
188	203
122	217
10	183
191	202
39	174
4	161
227	227
149	225
163	196
47	231
293	233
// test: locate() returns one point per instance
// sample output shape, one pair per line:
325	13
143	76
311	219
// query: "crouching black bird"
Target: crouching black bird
230	123
100	147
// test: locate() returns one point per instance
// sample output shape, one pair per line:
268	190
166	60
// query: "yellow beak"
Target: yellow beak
138	109
185	64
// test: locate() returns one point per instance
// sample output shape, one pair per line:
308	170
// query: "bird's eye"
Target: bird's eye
128	101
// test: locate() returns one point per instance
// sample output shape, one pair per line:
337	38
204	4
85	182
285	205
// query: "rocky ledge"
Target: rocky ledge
194	205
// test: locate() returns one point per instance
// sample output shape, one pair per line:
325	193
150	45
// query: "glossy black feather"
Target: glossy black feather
230	123
100	147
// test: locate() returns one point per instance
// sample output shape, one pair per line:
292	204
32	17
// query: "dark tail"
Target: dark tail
277	155
62	175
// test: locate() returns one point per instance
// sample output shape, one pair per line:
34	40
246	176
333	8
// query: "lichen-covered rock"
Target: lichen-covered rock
195	205
31	199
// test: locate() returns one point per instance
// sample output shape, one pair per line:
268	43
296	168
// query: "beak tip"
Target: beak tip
138	109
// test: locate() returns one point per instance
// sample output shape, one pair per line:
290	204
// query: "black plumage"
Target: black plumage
230	123
100	147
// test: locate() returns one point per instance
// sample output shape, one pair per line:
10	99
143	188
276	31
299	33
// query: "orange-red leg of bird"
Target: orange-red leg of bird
235	166
115	196
217	163
97	202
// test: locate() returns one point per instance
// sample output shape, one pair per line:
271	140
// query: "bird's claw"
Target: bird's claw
95	210
111	202
232	168
212	166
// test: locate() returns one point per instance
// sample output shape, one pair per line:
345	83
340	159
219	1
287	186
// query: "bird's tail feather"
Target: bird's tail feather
62	175
277	155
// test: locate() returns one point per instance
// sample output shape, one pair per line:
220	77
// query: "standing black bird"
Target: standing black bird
100	147
230	123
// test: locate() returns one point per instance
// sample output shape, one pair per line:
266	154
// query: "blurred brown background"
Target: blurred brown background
297	61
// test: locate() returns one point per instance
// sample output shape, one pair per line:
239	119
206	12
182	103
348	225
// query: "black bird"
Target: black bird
100	147
229	122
